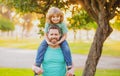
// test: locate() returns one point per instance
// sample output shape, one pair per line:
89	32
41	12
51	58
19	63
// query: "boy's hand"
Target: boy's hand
58	43
37	70
49	43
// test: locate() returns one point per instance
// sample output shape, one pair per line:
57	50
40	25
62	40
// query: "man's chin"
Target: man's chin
54	41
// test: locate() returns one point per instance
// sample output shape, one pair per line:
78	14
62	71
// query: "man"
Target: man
53	63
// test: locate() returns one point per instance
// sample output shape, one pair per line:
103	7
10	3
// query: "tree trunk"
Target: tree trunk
102	32
87	35
74	35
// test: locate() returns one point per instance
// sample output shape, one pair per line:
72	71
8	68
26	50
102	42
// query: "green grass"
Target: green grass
21	43
15	72
80	47
107	73
110	48
29	72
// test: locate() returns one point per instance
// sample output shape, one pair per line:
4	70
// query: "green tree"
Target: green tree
38	6
6	25
81	20
74	24
102	11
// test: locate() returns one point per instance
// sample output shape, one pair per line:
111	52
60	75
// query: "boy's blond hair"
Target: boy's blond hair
51	12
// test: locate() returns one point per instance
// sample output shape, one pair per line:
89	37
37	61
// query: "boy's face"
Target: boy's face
55	19
53	35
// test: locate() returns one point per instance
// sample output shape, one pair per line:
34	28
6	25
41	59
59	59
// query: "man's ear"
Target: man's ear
60	36
46	34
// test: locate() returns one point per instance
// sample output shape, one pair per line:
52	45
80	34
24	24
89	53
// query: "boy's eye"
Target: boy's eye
56	16
51	34
55	34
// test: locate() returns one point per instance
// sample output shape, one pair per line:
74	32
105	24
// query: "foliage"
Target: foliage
111	7
38	6
81	20
41	26
6	25
116	24
41	7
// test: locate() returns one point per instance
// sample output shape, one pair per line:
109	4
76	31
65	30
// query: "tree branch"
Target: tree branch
101	6
47	5
94	6
112	8
111	3
90	10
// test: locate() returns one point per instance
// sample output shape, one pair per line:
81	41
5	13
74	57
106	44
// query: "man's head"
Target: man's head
54	34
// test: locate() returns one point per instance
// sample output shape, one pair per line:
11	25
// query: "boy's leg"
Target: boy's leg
40	54
66	52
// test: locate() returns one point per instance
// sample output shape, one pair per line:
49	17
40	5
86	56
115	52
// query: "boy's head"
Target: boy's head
54	16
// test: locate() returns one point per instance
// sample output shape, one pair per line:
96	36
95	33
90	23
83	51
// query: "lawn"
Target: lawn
110	48
78	72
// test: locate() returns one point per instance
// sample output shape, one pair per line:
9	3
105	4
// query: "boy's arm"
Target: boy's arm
62	39
46	38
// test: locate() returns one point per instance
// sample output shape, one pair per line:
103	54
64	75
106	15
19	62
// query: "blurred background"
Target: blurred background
22	30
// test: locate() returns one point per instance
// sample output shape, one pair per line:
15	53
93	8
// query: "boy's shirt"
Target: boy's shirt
62	26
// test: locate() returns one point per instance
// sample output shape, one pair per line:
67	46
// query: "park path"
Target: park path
19	58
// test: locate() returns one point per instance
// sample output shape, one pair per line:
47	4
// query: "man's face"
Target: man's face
53	35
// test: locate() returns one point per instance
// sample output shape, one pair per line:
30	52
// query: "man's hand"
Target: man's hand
37	70
70	72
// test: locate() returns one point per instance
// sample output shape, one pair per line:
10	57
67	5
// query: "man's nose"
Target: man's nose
54	36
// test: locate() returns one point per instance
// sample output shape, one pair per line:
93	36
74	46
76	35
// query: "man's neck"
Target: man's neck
54	46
